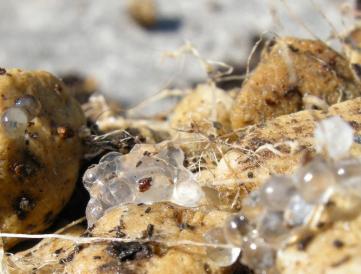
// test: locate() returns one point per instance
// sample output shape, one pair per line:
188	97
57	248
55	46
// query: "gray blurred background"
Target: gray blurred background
101	39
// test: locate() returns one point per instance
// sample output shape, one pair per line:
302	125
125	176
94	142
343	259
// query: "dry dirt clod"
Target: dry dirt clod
290	69
39	160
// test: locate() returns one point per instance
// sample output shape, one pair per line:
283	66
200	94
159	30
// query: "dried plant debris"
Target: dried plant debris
97	107
122	141
110	131
290	70
204	106
201	125
40	149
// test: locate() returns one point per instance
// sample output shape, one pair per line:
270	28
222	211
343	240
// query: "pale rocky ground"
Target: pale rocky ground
99	38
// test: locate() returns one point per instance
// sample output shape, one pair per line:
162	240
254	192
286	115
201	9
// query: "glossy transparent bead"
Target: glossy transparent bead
253	199
221	256
15	121
183	175
110	156
187	193
276	192
297	211
257	254
348	174
110	169
90	176
236	227
30	104
335	136
94	211
252	206
174	156
314	180
272	227
116	192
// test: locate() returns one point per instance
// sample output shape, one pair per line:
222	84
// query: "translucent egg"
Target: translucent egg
30	104
15	121
221	256
90	177
252	206
272	227
348	174
276	192
94	211
313	179
257	254
110	156
174	156
236	227
116	191
187	193
335	136
109	169
253	199
297	211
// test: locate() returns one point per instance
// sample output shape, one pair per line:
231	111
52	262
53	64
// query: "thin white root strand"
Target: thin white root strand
311	101
271	148
89	240
162	94
209	66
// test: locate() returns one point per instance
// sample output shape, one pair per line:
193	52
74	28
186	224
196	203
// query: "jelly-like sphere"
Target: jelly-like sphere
30	104
15	121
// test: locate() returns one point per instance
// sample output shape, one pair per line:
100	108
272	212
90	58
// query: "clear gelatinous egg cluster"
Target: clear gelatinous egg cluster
147	174
286	206
16	118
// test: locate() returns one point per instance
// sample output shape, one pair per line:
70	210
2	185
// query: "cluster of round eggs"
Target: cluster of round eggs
286	208
15	119
148	174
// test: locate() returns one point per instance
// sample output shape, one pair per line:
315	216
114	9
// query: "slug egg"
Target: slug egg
30	104
15	121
